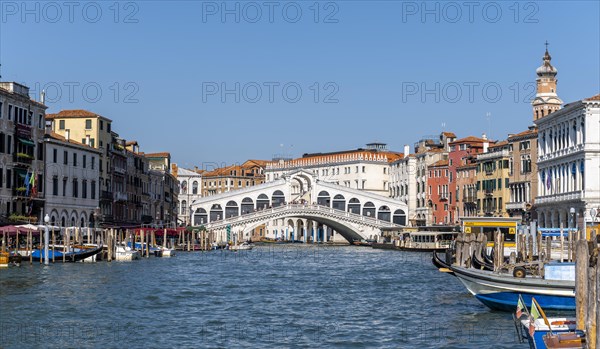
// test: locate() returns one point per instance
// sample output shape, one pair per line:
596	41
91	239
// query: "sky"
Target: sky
220	82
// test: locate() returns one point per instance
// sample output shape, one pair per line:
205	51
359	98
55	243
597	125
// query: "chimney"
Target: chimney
43	97
484	136
88	141
67	134
406	150
485	146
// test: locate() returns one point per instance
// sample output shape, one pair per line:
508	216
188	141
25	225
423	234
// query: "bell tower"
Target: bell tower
546	100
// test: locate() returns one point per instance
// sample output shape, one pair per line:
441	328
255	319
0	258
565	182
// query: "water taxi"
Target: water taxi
425	241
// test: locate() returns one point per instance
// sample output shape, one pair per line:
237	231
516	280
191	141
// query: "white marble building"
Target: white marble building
72	181
403	180
362	169
190	189
569	163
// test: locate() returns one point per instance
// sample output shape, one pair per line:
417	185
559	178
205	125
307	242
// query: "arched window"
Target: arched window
195	187
183	207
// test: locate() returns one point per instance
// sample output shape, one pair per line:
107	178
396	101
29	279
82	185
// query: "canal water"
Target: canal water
275	296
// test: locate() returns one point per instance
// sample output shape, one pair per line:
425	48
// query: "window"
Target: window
66	157
363	169
108	127
2	142
54	155
75	188
93	190
8	178
40	151
74	159
61	124
40	122
55	185
88	124
92	142
84	189
93	162
0	110
64	187
8	144
101	125
84	161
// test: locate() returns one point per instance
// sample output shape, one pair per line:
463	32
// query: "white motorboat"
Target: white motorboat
241	247
125	253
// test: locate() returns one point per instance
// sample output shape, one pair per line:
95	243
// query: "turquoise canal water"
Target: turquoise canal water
275	296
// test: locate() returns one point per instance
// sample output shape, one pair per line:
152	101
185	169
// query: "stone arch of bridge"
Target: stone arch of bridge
345	229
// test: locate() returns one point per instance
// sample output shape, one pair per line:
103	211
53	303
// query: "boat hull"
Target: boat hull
502	292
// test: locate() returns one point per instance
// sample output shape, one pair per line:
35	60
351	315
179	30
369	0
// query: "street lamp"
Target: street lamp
572	212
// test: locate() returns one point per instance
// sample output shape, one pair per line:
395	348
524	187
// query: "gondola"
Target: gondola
72	256
480	264
441	264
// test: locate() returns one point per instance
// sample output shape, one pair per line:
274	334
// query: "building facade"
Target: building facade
463	184
71	181
569	164
94	130
22	128
523	174
234	177
493	175
190	189
403	182
362	169
163	189
428	150
438	191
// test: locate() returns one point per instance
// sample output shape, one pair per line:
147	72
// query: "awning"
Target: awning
25	141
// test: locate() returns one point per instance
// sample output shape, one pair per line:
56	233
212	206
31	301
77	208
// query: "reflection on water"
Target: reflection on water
271	297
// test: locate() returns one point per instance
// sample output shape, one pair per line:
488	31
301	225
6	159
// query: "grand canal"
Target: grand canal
275	296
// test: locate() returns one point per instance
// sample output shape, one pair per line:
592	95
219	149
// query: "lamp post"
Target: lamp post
572	212
46	238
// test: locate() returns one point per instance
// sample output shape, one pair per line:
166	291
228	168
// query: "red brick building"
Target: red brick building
462	181
439	192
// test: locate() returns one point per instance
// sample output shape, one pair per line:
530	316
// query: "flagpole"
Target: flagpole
539	308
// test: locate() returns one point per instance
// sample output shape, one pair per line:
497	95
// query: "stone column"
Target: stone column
315	225
325	231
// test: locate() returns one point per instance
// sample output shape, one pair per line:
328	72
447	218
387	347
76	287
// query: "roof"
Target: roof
593	98
226	171
449	134
157	155
471	139
74	114
131	143
58	137
499	144
440	163
524	133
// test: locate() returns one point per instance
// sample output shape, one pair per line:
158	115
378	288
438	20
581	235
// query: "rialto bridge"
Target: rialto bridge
299	207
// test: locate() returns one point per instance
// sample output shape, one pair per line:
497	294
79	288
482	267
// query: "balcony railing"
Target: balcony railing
106	195
120	196
515	206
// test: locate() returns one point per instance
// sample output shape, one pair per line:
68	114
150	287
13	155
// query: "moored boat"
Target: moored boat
240	247
500	291
71	255
425	241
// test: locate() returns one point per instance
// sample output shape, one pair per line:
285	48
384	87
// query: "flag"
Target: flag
534	315
27	184
520	307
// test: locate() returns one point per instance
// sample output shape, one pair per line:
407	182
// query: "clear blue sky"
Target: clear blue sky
373	57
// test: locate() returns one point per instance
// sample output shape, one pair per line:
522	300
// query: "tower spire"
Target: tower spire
546	100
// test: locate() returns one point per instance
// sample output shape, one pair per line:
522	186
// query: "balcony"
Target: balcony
570	196
119	196
106	195
469	199
515	206
22	158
